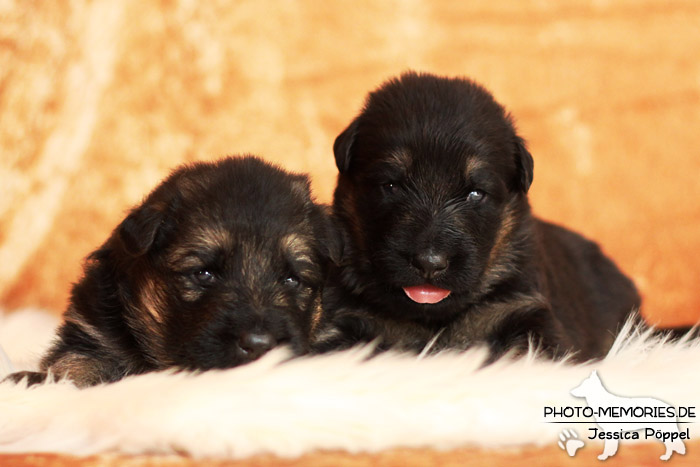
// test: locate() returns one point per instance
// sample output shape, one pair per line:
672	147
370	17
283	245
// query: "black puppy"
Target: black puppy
219	264
440	247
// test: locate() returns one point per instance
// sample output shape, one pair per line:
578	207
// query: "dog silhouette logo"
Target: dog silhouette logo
623	417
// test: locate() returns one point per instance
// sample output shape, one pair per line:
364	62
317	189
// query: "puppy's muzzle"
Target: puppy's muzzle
255	344
430	262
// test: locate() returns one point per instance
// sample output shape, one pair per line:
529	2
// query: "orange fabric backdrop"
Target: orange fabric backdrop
100	99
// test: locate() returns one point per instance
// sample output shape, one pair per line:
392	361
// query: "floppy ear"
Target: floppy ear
525	165
138	231
325	230
342	147
301	186
330	235
334	241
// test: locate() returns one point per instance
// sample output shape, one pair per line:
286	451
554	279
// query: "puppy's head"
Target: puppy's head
223	261
432	194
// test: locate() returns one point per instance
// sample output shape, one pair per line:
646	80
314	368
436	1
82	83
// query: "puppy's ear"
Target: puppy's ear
147	226
342	147
329	234
138	231
525	165
301	186
334	241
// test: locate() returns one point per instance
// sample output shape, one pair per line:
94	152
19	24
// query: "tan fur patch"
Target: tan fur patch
149	334
191	295
83	371
401	158
151	297
503	236
316	313
84	326
297	246
212	238
205	239
474	164
502	255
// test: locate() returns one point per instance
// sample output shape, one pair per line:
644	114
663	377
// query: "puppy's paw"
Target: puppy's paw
343	332
30	377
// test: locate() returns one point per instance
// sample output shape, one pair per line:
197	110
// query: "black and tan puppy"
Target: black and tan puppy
220	263
440	247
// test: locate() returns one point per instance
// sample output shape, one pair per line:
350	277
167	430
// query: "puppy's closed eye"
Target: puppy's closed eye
204	278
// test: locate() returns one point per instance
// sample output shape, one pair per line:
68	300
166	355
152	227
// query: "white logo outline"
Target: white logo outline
598	397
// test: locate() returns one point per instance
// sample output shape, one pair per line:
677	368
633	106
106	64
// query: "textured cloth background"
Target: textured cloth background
100	99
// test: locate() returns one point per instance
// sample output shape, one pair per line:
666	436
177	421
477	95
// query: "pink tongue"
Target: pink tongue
426	293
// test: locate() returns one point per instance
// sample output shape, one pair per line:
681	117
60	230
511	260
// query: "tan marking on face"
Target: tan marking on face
503	236
153	300
190	295
212	238
149	333
316	313
297	247
401	158
206	239
183	259
474	164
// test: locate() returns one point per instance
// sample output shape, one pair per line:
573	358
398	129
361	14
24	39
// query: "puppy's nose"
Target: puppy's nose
256	343
430	262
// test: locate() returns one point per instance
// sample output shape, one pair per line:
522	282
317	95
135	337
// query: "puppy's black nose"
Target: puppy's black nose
256	343
430	262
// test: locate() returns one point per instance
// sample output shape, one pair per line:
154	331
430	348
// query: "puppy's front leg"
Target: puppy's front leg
79	354
32	377
522	328
345	329
81	370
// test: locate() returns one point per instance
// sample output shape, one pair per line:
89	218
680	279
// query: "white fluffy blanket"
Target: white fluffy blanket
338	401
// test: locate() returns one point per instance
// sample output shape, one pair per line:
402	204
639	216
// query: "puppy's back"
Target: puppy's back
588	293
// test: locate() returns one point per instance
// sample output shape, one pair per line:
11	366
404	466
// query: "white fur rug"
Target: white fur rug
338	401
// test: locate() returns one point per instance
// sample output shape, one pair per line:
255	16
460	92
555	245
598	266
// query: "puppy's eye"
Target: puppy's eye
291	281
204	278
475	196
390	188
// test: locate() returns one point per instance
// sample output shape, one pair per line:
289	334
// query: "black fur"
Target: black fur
433	190
220	263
